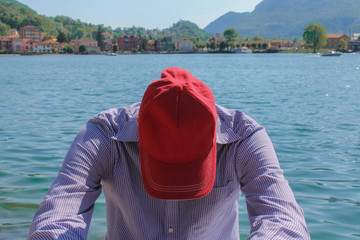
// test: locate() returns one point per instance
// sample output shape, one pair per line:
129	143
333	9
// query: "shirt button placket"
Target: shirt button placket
170	218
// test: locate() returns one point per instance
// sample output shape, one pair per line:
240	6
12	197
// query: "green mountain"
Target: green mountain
284	18
15	15
186	28
226	21
16	4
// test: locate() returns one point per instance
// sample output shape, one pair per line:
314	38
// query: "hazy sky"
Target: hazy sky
141	13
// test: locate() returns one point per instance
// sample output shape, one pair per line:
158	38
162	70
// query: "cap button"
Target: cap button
177	88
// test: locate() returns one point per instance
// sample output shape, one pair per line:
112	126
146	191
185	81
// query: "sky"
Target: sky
150	14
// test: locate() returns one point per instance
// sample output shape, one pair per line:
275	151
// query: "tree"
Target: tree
156	45
213	45
115	48
4	29
100	38
61	37
143	42
257	38
201	45
342	45
231	35
68	48
315	34
222	46
82	49
265	45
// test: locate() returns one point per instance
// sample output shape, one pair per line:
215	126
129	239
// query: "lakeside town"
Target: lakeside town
30	40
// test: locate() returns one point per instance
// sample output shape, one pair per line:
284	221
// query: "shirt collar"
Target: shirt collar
128	129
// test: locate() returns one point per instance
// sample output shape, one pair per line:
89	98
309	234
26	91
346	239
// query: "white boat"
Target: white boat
111	54
331	53
243	50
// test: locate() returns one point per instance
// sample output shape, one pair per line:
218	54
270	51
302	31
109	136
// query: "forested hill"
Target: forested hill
14	14
284	18
16	4
186	28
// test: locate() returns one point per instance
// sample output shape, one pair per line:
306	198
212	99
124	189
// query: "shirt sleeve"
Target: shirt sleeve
272	208
66	211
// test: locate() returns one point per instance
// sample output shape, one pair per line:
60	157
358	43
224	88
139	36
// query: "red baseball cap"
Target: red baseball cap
177	137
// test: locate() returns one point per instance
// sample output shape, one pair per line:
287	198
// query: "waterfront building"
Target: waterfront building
30	32
6	44
354	43
91	44
183	45
14	36
127	42
46	46
186	46
22	45
333	40
109	43
107	35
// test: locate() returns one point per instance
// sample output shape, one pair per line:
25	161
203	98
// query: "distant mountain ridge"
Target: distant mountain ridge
288	18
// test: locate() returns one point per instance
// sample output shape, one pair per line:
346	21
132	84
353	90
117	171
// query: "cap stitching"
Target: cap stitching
164	188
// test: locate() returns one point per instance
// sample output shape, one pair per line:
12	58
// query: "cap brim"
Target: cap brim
181	181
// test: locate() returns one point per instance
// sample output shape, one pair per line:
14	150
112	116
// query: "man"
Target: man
171	168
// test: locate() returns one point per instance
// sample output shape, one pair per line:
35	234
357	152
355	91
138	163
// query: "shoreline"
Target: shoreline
180	53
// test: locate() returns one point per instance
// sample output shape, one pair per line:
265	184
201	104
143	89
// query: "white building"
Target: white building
45	46
183	45
186	46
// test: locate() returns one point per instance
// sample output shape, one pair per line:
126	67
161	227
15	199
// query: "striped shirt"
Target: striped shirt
105	155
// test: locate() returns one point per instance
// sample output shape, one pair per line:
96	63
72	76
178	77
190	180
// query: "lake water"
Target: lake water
310	106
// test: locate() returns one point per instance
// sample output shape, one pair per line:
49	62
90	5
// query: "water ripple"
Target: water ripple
308	105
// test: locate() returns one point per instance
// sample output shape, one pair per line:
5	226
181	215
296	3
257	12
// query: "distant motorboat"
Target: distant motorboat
111	54
331	53
243	50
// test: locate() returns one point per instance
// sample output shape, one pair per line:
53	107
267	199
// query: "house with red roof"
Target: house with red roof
46	46
334	40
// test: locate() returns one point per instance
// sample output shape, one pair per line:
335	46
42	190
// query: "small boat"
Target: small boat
331	53
111	54
243	50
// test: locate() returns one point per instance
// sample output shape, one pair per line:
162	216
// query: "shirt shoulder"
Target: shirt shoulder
120	123
234	125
